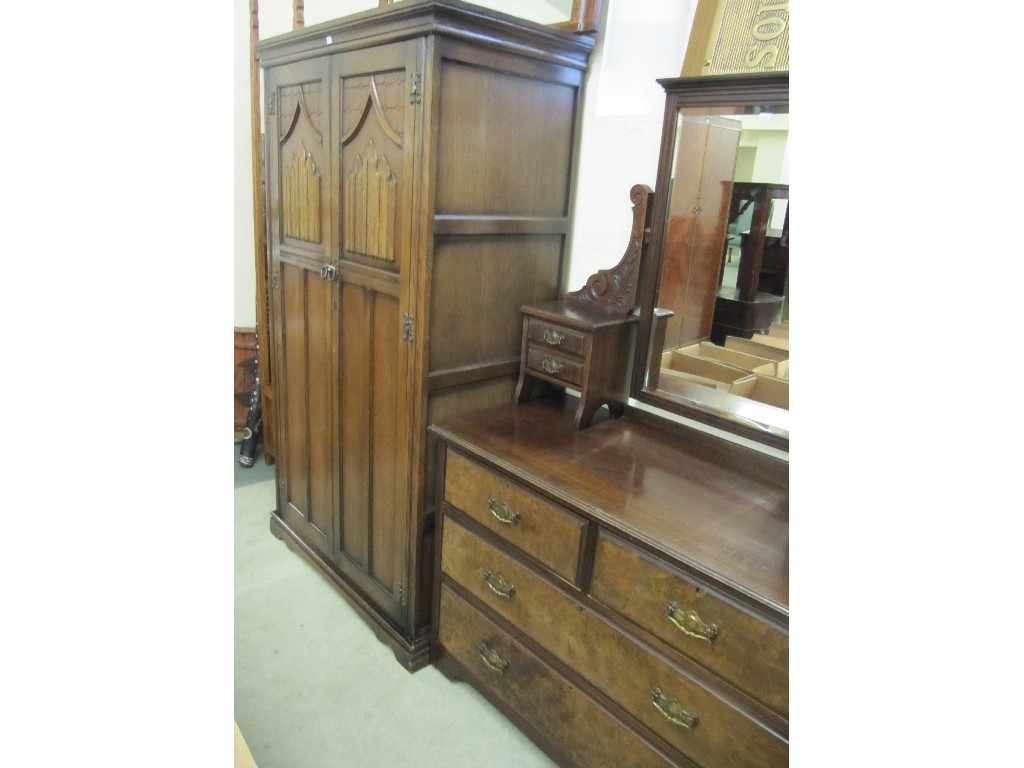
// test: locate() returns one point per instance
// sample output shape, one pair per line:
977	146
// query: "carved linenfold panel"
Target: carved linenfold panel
614	290
368	205
300	183
303	100
383	95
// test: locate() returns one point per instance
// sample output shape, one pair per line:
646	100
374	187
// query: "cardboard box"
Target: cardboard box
701	370
734	357
772	341
764	389
755	347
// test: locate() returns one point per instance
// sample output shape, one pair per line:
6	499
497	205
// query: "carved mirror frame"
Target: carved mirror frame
716	91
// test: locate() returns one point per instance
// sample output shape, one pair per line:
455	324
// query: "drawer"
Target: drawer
747	652
541	529
655	692
556	336
585	732
557	366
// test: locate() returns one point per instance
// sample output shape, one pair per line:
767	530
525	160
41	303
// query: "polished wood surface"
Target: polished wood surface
609	659
397	194
568	344
640	588
650	566
564	721
730	520
546	532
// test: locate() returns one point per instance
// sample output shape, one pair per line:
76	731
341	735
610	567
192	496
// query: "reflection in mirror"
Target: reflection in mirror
719	339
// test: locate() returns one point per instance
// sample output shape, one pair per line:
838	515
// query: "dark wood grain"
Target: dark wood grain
609	659
574	730
718	511
382	126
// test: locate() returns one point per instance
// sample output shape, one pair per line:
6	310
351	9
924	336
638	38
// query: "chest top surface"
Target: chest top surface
717	510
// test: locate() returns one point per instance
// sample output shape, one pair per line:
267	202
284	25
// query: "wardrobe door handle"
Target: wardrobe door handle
499	585
689	623
672	710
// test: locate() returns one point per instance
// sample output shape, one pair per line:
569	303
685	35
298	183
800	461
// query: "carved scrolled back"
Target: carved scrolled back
614	290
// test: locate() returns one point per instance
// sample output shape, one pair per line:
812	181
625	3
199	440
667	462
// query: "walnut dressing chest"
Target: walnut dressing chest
619	592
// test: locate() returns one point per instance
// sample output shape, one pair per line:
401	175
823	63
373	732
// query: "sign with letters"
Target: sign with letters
732	37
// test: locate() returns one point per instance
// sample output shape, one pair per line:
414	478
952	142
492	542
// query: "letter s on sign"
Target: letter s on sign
756	56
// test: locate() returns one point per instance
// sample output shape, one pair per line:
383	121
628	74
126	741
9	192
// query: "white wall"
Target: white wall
639	42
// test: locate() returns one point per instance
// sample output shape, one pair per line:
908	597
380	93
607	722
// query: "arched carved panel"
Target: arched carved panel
303	100
372	137
300	191
369	206
381	95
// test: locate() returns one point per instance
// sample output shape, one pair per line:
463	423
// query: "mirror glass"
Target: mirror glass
718	335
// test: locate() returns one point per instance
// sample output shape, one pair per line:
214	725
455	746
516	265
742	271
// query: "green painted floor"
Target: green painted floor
313	686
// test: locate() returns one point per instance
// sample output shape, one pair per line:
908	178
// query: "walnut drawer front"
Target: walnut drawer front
555	365
556	336
700	724
585	731
534	525
747	652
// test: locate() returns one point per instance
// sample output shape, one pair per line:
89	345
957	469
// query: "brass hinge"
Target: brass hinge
416	94
408	327
401	594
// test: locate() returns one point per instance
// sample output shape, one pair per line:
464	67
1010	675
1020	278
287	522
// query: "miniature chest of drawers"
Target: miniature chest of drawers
580	348
620	592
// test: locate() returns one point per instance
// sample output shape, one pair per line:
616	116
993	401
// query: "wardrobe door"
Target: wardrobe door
302	305
697	219
376	101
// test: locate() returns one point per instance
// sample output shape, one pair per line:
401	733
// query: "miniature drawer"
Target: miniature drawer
556	336
542	697
693	719
539	528
747	652
554	364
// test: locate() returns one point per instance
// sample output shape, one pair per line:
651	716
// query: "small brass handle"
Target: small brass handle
551	366
492	658
498	585
329	272
672	710
690	623
554	338
503	512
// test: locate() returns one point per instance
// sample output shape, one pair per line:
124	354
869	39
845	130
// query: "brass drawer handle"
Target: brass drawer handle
492	658
503	512
554	338
552	366
498	585
690	623
672	710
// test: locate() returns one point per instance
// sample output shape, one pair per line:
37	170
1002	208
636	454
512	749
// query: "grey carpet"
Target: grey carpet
315	688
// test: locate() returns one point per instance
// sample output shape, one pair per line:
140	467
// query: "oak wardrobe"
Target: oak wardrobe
419	175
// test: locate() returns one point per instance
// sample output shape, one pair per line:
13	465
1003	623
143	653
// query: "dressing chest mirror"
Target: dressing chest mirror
713	339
